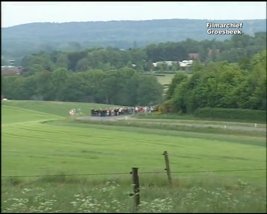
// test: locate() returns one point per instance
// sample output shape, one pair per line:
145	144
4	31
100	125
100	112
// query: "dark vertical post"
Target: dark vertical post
136	190
165	153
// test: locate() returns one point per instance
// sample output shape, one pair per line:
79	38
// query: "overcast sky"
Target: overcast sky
15	13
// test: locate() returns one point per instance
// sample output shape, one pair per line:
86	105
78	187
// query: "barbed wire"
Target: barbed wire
220	170
86	174
124	173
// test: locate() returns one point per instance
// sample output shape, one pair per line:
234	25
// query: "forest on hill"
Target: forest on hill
20	40
236	49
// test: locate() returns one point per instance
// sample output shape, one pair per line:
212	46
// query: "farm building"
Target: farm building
9	70
193	56
167	63
185	63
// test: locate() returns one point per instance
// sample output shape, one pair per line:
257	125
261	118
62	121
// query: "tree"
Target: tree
149	91
73	91
256	83
82	65
62	60
177	79
58	80
44	87
73	59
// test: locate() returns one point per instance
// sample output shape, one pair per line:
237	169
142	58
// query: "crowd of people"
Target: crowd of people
117	111
121	111
75	111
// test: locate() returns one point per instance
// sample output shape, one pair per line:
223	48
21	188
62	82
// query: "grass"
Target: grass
39	138
177	116
53	107
165	79
74	148
189	126
112	195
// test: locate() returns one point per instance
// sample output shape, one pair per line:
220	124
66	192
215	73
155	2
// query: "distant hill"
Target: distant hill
23	39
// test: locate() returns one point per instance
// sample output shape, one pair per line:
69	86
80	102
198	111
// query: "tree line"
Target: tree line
237	49
122	87
228	74
219	85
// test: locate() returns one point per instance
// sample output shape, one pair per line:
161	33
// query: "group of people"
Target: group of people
75	111
121	111
117	111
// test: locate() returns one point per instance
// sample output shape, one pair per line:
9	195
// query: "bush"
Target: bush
166	107
236	114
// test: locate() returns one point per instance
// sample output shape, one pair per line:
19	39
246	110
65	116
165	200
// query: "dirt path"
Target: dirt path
111	118
186	123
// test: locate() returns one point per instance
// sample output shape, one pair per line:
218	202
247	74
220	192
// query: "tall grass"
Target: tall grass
204	194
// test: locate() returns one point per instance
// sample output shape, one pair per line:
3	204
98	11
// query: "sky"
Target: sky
16	13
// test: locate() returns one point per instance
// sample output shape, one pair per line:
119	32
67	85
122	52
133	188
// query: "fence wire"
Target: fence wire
140	173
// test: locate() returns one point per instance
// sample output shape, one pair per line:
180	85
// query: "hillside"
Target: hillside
23	39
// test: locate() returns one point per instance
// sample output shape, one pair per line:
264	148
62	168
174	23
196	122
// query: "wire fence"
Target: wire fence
127	173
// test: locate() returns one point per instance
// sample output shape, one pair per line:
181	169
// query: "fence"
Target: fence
135	176
140	173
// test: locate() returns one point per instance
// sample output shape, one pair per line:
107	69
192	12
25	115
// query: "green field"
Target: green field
41	139
165	79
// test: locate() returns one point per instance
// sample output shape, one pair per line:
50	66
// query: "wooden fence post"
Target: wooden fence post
136	189
168	171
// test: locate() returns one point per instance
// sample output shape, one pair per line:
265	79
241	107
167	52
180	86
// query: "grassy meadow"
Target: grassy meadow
164	80
54	163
